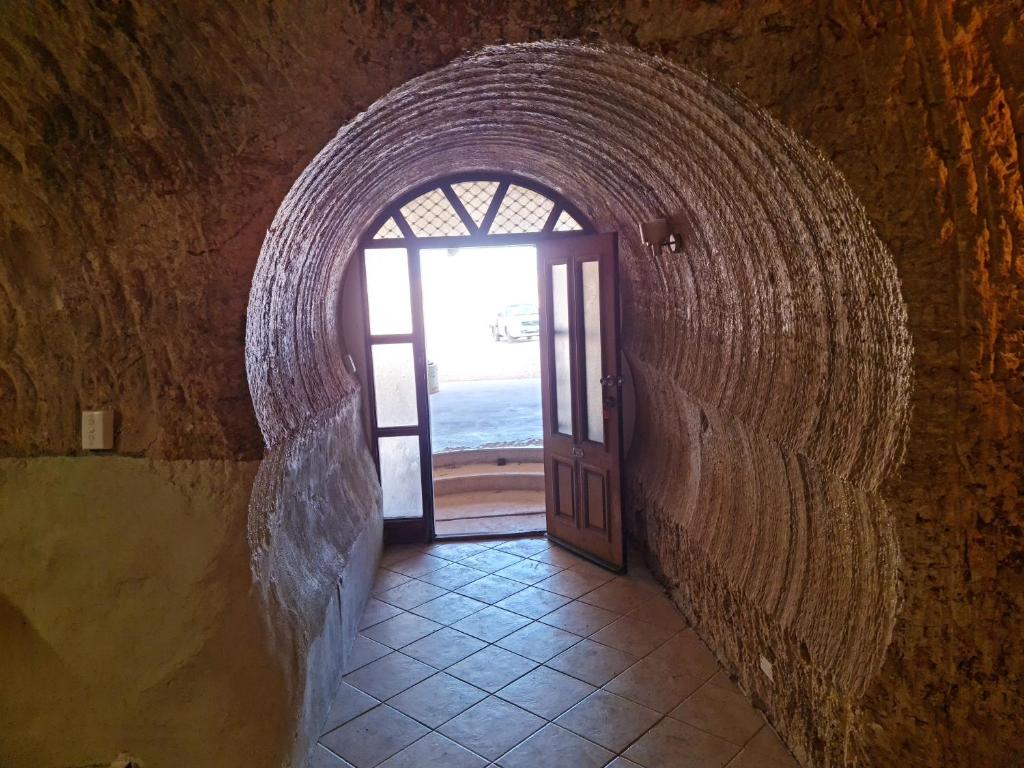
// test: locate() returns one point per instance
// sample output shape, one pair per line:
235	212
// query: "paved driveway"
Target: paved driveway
474	414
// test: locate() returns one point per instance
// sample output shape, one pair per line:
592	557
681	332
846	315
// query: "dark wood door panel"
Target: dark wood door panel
564	491
579	300
595	499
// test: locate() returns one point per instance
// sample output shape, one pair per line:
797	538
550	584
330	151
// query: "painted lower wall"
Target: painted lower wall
135	617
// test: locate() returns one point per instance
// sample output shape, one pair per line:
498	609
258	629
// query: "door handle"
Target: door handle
577	452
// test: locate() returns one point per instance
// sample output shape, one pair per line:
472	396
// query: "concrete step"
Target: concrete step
472	478
511	455
501	524
484	504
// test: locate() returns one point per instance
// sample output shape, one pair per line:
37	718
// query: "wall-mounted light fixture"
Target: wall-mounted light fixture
659	234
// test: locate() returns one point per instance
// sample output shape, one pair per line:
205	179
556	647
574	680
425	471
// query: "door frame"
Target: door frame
415	529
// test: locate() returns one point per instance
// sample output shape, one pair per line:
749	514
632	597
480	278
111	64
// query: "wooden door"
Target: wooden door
579	323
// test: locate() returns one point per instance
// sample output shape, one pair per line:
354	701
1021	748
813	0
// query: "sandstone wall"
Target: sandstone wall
784	297
144	149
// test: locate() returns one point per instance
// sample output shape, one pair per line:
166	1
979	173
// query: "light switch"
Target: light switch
97	430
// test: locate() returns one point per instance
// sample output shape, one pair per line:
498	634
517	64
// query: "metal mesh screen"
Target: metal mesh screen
522	210
431	215
476	197
566	223
388	231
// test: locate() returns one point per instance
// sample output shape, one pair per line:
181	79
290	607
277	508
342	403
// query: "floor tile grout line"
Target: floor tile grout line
545	664
531	621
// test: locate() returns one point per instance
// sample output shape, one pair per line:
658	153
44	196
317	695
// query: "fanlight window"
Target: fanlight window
478	207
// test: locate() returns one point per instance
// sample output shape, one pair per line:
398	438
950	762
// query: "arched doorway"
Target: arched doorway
485	212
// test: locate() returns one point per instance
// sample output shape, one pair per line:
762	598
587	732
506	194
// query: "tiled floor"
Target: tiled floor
516	653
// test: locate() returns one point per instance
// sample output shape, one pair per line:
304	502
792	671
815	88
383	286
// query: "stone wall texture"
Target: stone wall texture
829	442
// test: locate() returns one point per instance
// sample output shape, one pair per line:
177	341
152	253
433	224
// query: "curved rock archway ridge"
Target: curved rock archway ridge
772	358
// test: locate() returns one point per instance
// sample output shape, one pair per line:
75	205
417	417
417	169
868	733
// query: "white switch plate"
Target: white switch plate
766	667
97	430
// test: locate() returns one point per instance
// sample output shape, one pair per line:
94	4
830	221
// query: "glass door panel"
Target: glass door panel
401	478
394	385
387	291
593	400
562	347
393	346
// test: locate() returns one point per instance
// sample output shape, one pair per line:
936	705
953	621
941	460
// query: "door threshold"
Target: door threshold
488	536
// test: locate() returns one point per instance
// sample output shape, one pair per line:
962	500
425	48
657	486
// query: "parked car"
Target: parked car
516	321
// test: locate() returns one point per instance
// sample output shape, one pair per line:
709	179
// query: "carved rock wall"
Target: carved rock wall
144	149
784	296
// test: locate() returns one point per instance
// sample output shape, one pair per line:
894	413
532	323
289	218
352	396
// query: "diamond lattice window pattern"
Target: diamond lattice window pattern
566	223
431	215
388	231
476	197
522	210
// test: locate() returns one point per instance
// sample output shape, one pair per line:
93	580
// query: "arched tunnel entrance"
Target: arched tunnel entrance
771	359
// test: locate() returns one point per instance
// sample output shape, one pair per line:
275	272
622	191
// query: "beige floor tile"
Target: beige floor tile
557	556
687	651
376	611
672	744
580	618
491	668
722	680
444	647
660	611
396	554
392	674
386	579
349	702
491	588
592	662
401	630
363	651
454	550
587	568
411	594
571	583
533	602
453	576
434	751
437	699
419	564
494	542
374	736
525	547
491	727
447	609
765	750
491	623
622	762
491	560
554	747
655	684
322	757
620	595
636	637
721	713
539	642
529	571
546	692
608	720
